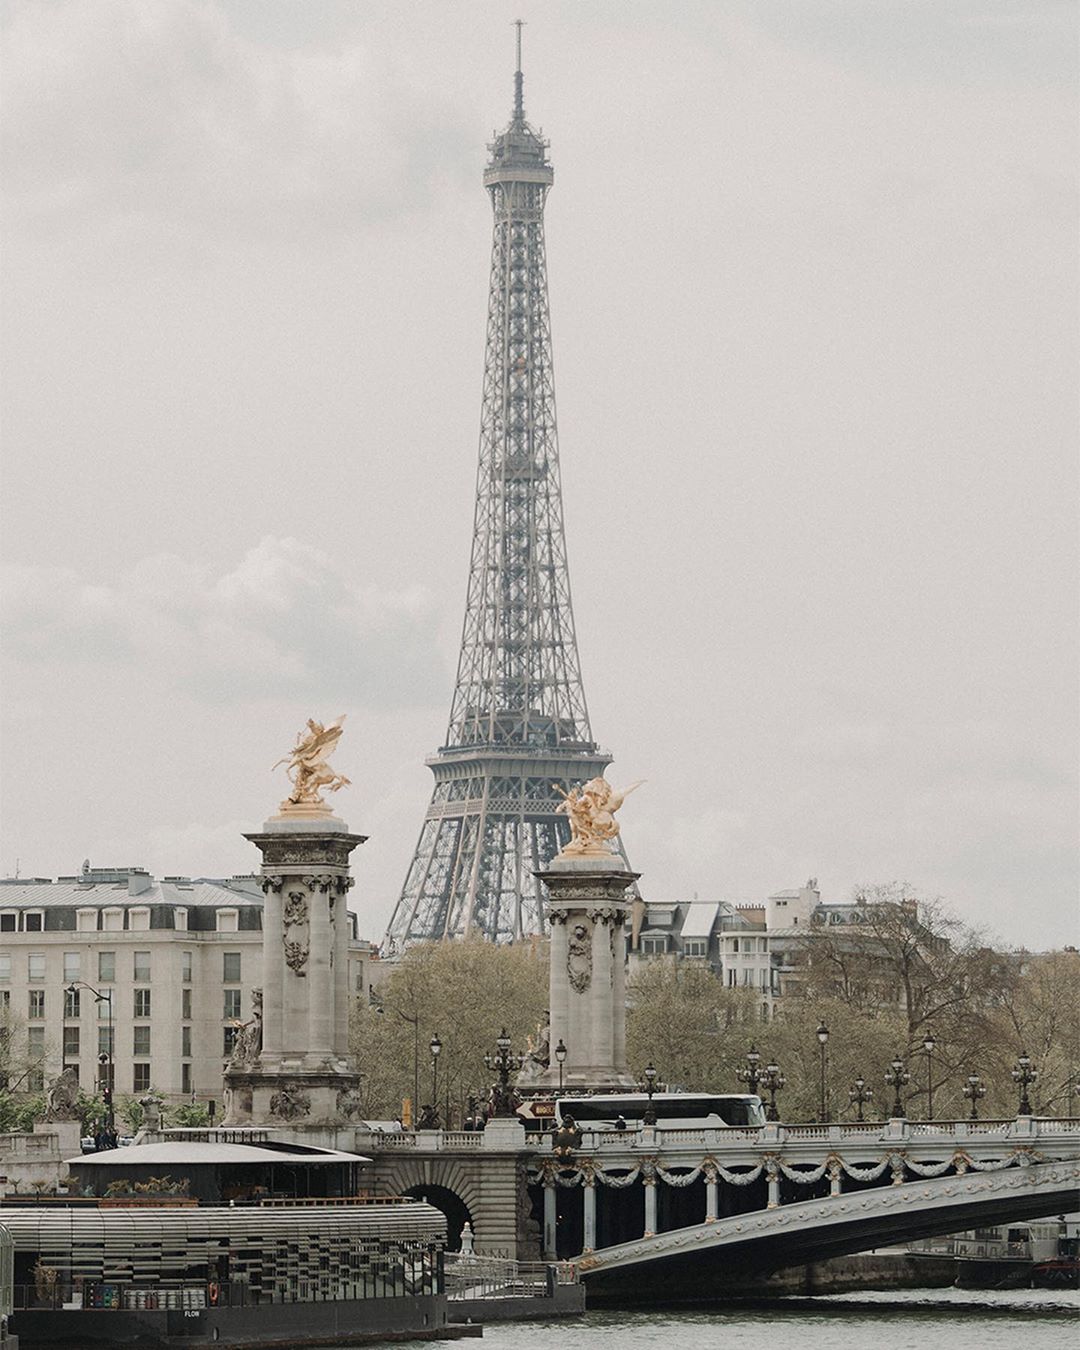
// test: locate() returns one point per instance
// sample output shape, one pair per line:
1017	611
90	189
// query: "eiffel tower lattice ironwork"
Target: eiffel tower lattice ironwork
519	724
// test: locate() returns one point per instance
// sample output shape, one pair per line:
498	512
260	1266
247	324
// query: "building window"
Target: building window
228	920
185	1041
141	966
734	944
72	966
35	966
139	919
185	1004
5	966
71	1044
230	967
228	1040
33	922
35	1080
112	920
185	1078
732	978
105	1040
36	1011
105	1006
140	1040
87	921
695	946
140	1078
106	967
7	923
654	946
142	1003
5	998
180	916
185	967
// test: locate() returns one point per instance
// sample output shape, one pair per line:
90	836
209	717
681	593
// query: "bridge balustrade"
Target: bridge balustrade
621	1186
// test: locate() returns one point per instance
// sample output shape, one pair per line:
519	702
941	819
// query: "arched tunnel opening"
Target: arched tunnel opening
451	1204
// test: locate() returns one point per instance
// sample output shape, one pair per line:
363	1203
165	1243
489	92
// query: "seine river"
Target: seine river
931	1319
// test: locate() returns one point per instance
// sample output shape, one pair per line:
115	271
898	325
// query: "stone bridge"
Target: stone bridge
654	1201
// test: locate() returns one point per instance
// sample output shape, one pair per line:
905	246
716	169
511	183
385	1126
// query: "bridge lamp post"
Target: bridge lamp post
1023	1076
928	1046
897	1077
772	1080
649	1118
504	1064
860	1095
751	1075
560	1058
435	1046
823	1041
106	1058
974	1091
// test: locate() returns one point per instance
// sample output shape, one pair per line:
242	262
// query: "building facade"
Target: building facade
163	973
763	948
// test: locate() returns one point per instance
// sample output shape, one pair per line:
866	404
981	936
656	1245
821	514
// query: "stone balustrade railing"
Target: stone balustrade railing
801	1139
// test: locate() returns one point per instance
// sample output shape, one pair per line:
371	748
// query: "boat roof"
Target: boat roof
183	1151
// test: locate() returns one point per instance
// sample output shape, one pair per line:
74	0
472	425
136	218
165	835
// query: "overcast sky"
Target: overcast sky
813	290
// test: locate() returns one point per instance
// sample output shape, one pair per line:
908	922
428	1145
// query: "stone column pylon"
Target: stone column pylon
587	909
297	1071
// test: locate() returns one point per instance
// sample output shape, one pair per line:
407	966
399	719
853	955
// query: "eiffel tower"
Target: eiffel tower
519	723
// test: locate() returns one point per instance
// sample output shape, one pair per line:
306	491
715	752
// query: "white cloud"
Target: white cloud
284	622
231	134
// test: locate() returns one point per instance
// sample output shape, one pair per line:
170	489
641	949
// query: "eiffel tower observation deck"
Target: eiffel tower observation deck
519	724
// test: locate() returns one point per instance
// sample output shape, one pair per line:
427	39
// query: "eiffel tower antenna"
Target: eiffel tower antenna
519	78
519	723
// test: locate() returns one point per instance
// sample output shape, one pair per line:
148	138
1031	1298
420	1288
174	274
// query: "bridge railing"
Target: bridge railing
469	1276
770	1136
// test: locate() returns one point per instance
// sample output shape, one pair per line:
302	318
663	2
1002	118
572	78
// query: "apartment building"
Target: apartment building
760	947
163	972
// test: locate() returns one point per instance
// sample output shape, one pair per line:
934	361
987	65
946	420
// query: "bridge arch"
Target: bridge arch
689	1262
451	1205
449	1184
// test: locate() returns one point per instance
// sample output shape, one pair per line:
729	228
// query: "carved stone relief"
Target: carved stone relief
296	955
579	959
289	1102
296	909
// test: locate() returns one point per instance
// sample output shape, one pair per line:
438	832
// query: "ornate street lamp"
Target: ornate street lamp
860	1095
504	1064
823	1040
896	1076
772	1080
649	1118
435	1046
560	1058
106	1058
1023	1076
928	1045
751	1075
974	1091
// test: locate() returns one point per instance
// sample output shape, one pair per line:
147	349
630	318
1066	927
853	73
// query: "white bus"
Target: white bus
673	1110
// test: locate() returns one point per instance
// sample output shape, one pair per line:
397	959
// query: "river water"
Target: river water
911	1319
